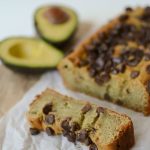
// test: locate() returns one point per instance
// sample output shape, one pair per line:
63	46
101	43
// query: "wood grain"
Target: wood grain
13	86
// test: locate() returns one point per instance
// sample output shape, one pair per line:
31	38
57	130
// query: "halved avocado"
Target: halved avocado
29	54
55	24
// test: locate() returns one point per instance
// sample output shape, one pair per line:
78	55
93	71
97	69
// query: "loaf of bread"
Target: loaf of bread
114	63
95	126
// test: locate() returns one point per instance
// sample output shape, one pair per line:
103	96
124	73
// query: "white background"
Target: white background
16	16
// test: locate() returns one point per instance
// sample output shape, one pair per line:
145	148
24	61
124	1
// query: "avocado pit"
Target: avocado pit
56	15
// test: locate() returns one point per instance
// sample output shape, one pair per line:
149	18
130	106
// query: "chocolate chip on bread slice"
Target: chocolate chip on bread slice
114	63
80	121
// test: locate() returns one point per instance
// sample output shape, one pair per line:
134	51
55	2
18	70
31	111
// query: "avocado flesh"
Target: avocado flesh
55	33
29	54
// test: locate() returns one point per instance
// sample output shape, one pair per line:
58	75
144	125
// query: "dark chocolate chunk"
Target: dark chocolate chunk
34	131
49	131
65	125
93	147
117	60
82	135
88	141
65	133
71	136
47	108
100	110
148	69
107	97
92	72
115	71
134	74
50	119
148	86
129	9
74	126
86	108
90	47
100	64
147	56
123	18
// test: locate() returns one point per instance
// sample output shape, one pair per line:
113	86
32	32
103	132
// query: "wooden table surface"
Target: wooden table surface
12	87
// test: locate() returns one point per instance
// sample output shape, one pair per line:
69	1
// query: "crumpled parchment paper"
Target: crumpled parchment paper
14	129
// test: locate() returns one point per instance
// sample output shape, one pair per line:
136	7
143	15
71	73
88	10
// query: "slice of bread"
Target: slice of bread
95	126
114	63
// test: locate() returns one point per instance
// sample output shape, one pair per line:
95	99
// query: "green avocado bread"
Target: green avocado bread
55	24
29	54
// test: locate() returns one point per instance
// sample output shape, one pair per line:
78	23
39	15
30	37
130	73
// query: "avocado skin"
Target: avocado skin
61	44
27	70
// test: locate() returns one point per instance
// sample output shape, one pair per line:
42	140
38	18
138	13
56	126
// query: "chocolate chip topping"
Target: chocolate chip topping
82	135
93	147
105	58
148	86
34	131
65	125
71	136
50	119
47	108
147	57
107	97
86	108
129	9
148	69
56	15
49	131
134	74
74	126
100	110
123	18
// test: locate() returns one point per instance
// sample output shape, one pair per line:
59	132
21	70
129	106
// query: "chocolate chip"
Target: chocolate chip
86	108
50	119
64	132
100	110
65	125
74	126
119	102
107	97
134	74
34	131
105	77
82	135
92	72
148	86
89	47
49	131
88	141
71	136
129	9
99	80
148	69
93	147
47	108
147	56
123	18
117	60
100	64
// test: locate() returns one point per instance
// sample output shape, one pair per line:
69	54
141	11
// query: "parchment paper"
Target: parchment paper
14	133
